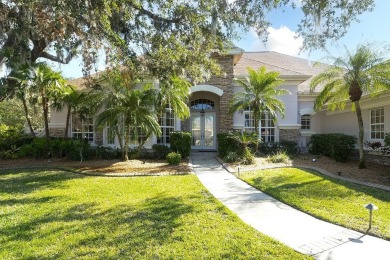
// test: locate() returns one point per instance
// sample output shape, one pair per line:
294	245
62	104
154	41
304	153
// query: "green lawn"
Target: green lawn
52	214
326	198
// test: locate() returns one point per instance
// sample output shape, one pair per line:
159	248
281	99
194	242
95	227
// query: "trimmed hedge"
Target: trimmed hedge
227	145
336	146
160	151
181	143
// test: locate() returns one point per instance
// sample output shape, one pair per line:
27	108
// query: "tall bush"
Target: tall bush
336	146
181	143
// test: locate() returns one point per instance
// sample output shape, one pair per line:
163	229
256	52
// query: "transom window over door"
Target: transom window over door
202	104
377	123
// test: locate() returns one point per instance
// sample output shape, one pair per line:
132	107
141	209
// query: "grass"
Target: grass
58	215
326	198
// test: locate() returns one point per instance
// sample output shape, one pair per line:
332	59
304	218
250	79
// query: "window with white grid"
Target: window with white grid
305	122
167	124
377	123
82	128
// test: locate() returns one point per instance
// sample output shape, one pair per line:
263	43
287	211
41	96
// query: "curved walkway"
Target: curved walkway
292	227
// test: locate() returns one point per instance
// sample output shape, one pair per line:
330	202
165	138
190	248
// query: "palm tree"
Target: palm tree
260	93
47	84
127	109
174	92
362	72
133	111
73	100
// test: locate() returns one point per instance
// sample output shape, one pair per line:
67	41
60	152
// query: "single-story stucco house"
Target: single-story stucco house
209	104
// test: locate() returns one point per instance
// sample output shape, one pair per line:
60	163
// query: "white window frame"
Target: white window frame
167	123
267	128
306	122
249	121
84	130
377	124
266	125
110	135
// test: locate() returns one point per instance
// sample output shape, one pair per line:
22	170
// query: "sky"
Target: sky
374	27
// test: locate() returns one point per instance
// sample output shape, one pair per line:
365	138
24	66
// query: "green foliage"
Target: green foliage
387	139
336	146
107	153
181	143
12	138
73	149
160	151
279	157
288	147
228	146
174	158
234	146
12	113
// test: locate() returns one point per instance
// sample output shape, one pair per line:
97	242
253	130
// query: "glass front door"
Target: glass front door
203	130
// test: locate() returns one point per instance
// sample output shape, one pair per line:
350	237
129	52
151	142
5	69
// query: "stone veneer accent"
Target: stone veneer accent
224	82
57	132
289	135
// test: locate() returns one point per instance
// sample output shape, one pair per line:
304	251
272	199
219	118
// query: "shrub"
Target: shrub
336	146
12	138
280	157
181	143
160	151
387	139
79	150
235	146
107	153
174	158
227	145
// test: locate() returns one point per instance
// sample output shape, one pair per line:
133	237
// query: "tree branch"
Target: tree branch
153	16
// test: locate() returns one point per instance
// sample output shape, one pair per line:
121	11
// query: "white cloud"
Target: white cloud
281	40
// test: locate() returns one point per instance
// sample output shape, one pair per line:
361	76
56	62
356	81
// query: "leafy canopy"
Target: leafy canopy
174	37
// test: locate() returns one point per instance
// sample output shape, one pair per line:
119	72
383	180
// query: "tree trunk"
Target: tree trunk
46	116
67	121
120	140
27	118
45	106
362	162
126	146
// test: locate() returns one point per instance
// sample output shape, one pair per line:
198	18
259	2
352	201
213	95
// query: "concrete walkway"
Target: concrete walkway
294	228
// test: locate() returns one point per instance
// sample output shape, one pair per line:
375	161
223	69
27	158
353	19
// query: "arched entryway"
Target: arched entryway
204	119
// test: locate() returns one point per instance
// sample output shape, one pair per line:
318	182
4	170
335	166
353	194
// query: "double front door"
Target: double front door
203	130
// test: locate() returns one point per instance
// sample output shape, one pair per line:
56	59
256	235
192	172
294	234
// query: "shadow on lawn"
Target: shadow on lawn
123	230
26	181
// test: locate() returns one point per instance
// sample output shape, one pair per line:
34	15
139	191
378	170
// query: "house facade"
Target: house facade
209	106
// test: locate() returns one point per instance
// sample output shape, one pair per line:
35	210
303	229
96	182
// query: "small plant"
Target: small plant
280	157
232	157
174	158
